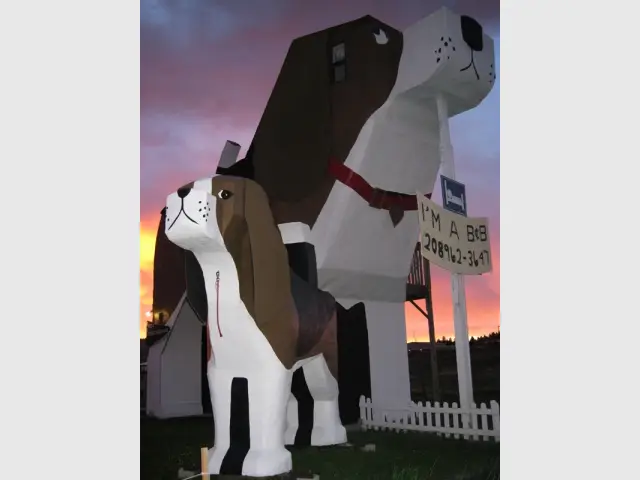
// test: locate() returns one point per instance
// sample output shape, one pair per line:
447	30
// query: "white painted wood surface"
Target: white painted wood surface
442	419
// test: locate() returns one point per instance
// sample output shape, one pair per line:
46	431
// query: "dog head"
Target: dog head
450	54
209	214
227	214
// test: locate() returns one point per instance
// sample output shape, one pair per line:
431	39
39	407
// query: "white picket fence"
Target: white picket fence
479	423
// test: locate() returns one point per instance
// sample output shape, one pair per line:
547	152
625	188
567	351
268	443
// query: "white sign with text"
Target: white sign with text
456	243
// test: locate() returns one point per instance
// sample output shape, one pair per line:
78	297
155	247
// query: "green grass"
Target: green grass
167	445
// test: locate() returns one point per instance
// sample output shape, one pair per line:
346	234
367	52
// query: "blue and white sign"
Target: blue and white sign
454	196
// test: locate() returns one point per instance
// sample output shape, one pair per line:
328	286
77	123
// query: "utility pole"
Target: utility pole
463	355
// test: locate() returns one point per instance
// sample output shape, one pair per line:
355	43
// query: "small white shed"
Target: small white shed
174	367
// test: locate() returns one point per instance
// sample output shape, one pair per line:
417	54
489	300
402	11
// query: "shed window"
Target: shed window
338	63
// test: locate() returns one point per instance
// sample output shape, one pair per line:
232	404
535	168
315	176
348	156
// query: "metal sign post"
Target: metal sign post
463	355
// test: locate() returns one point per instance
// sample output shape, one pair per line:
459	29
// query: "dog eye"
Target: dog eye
225	194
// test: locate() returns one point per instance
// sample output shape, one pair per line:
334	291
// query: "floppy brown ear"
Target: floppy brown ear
268	299
236	239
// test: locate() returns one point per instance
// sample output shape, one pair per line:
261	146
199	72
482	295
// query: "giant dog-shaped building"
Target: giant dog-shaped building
349	133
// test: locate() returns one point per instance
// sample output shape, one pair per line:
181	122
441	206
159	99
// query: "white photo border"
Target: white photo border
569	323
70	256
70	176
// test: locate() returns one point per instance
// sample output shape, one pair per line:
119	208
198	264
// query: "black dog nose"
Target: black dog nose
183	192
471	33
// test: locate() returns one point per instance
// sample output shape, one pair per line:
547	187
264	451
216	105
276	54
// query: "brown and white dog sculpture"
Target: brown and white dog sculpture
264	323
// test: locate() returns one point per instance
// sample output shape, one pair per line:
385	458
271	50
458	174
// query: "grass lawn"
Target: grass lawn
167	445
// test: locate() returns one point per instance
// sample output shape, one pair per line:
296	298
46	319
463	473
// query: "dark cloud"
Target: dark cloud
208	67
191	51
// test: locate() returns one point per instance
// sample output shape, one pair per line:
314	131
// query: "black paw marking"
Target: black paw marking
445	49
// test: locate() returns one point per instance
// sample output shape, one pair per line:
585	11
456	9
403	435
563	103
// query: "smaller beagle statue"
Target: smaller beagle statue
266	327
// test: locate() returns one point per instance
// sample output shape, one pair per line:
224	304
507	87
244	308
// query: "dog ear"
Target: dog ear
267	294
237	241
242	168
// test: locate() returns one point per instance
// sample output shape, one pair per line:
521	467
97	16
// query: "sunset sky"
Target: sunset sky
207	69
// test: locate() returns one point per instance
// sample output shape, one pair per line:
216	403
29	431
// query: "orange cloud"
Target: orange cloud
148	231
147	245
481	318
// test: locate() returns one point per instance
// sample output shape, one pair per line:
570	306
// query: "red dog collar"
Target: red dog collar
395	203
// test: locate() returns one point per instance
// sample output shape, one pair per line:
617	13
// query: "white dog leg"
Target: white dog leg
313	416
249	413
327	428
268	395
220	391
390	387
